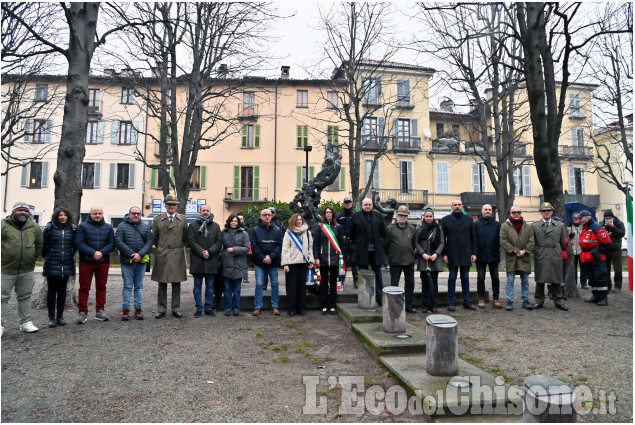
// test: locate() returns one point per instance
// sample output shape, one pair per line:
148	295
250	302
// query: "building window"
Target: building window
39	131
479	182
122	176
303	99
403	92
94	105
41	92
94	132
338	183
370	131
35	175
125	132
91	172
195	179
522	178
301	176
440	130
246	183
455	131
368	164
331	100
250	136
332	135
302	132
405	177
577	184
403	133
371	89
577	141
127	95
443	178
575	109
155	180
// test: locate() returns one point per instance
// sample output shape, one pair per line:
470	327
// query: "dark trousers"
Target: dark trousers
328	286
162	297
465	283
295	283
379	285
56	294
614	257
86	271
430	289
596	273
409	278
583	277
219	287
347	251
481	268
539	295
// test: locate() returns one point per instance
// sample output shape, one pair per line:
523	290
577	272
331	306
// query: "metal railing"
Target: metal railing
478	198
575	151
592	201
414	196
246	194
406	143
248	110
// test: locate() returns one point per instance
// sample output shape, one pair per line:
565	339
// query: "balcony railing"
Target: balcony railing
248	111
520	149
96	109
446	146
246	194
416	198
404	102
401	143
374	143
592	201
582	152
473	200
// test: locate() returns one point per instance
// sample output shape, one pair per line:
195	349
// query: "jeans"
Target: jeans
481	268
524	286
22	284
232	294
209	290
132	275
465	283
409	280
86	271
272	273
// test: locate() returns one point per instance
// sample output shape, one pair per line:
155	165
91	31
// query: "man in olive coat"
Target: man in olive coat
517	240
399	245
550	237
169	231
205	242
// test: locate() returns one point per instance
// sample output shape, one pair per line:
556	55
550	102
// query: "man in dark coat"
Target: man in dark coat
344	219
368	233
266	246
459	252
488	254
205	242
616	231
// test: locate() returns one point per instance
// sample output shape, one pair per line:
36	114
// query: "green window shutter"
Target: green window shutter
311	173
298	178
336	135
343	178
305	133
236	181
153	178
203	177
299	134
257	137
256	182
245	132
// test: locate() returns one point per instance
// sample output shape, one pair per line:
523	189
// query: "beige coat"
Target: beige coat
550	241
512	242
169	238
290	252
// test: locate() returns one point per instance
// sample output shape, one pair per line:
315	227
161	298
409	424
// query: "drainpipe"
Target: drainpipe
6	179
275	142
145	152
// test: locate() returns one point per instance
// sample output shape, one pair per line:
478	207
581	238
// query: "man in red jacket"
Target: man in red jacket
594	242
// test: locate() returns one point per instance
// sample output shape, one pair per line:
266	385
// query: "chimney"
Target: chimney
284	74
110	72
222	70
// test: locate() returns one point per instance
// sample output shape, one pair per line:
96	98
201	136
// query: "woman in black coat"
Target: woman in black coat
328	257
59	261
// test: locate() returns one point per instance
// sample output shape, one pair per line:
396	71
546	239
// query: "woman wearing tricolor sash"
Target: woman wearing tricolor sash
329	258
296	257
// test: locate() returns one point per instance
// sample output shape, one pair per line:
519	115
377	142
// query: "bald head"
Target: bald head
367	205
486	211
96	213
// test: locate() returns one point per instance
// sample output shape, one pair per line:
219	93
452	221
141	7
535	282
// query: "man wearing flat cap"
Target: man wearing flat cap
169	231
22	243
550	237
595	242
399	245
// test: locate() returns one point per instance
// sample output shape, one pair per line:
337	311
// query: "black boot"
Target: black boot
52	322
595	298
603	301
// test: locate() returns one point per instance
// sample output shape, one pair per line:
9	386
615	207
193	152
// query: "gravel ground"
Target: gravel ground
251	369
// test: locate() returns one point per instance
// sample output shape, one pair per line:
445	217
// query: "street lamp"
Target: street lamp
307	149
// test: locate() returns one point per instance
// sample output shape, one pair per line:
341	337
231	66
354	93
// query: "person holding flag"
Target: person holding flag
594	243
329	258
629	233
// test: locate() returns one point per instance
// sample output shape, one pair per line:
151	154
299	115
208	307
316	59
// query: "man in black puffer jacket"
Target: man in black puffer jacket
134	241
95	240
488	254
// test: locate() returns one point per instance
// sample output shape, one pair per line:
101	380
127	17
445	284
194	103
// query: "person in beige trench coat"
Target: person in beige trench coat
170	234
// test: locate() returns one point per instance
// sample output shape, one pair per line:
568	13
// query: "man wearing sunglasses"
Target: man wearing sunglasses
134	241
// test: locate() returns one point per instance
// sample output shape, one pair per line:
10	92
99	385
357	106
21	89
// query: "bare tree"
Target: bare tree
482	66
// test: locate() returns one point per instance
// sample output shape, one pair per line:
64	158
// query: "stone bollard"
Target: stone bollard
442	346
366	290
548	399
394	309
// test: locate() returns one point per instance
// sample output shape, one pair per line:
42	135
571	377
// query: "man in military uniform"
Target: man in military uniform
550	237
169	231
594	243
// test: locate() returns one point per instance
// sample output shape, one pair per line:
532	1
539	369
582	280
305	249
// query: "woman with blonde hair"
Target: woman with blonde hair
296	257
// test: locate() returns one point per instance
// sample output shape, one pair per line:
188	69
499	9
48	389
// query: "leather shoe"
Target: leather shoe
562	307
537	306
451	307
410	310
177	314
481	303
496	304
159	315
276	311
468	306
210	313
527	305
603	302
256	312
236	312
425	309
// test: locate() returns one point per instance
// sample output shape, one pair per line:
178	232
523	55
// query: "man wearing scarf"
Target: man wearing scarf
575	230
517	239
205	242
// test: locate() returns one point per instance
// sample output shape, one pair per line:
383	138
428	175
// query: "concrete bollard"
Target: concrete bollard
548	399
366	290
394	309
442	345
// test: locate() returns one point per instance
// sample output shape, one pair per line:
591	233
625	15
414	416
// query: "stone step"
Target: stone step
351	314
381	343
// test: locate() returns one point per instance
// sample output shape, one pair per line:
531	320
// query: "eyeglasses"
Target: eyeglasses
516	212
134	213
576	218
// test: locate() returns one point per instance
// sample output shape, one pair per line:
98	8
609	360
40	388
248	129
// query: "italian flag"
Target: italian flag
629	234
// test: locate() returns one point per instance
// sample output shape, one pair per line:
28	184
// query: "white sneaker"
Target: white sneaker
1	330
28	327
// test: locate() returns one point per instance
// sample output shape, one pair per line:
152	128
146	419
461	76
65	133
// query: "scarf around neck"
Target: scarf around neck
204	223
516	222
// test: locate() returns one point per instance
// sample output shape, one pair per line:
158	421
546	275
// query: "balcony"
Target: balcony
255	195
416	199
96	110
446	145
406	144
374	143
477	147
520	149
592	201
403	102
248	111
575	152
475	200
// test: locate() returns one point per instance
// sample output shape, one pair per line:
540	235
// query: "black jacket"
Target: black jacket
487	240
617	231
197	243
322	248
133	238
94	236
266	241
460	240
59	249
362	238
344	218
